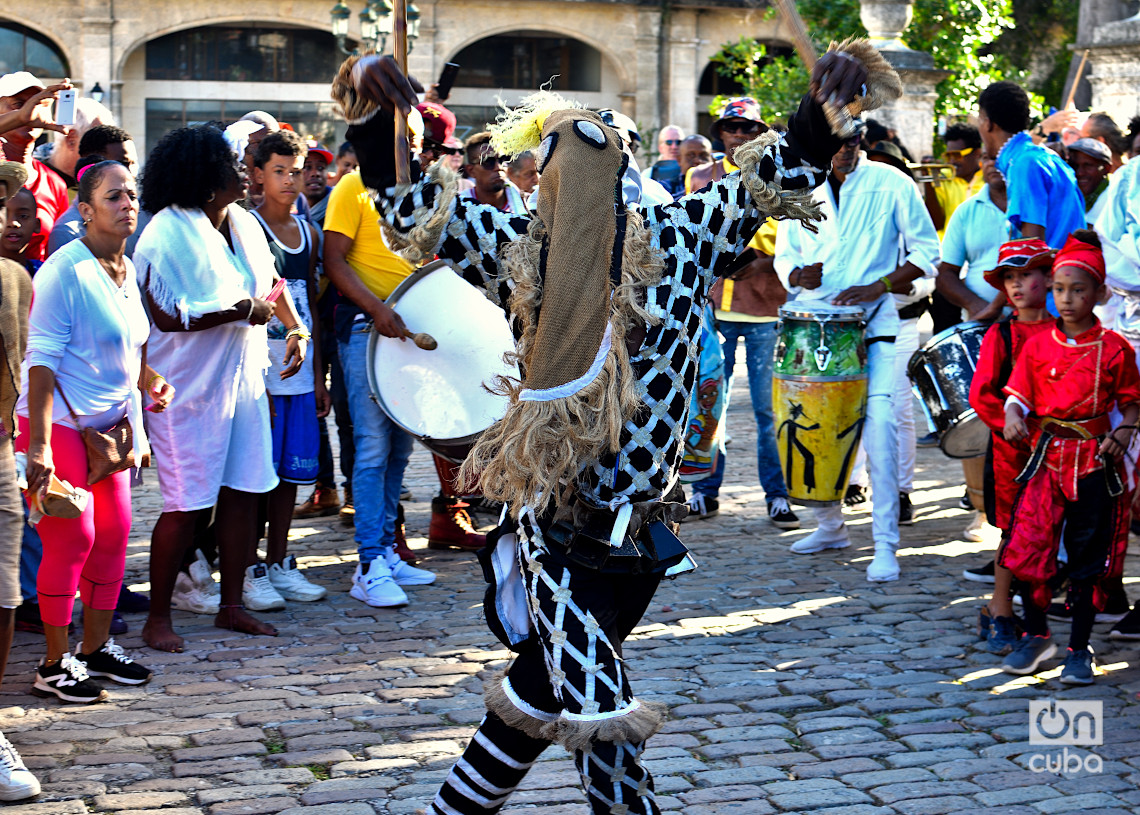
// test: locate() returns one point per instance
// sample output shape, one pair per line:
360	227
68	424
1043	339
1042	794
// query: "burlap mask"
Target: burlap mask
581	160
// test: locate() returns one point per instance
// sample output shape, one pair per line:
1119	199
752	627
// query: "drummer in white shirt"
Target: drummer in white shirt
873	216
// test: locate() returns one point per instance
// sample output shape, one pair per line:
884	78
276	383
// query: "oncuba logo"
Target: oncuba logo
1055	723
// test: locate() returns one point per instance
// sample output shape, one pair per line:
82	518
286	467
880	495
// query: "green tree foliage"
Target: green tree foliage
976	41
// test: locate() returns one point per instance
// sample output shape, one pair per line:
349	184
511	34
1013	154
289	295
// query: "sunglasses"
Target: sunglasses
740	127
954	155
439	149
672	142
490	162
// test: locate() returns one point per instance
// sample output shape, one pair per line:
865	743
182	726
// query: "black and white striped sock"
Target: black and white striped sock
493	764
616	781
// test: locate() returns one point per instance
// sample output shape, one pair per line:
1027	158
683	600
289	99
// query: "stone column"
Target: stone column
1114	59
912	115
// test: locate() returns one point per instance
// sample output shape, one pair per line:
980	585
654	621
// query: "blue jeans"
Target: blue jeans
382	453
31	553
759	353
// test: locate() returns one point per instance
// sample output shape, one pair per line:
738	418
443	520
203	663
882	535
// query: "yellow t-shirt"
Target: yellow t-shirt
352	213
953	192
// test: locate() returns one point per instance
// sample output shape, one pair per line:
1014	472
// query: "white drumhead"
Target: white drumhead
439	394
820	309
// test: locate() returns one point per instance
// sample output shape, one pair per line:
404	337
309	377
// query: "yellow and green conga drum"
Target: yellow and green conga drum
819	398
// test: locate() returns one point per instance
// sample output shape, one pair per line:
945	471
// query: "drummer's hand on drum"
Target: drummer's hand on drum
807	277
380	79
1015	427
387	322
855	295
989	311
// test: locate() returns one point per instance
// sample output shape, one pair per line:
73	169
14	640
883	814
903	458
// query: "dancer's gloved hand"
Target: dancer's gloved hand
837	77
380	80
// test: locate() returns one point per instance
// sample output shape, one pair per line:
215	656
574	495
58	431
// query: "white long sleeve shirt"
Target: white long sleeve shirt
879	219
1119	228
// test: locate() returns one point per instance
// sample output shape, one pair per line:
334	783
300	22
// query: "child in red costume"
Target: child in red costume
1067	380
1024	269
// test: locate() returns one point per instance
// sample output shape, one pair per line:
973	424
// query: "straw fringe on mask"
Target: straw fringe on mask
418	244
534	453
783	205
519	129
355	109
883	82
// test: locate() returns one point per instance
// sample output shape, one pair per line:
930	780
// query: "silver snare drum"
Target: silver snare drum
439	396
941	372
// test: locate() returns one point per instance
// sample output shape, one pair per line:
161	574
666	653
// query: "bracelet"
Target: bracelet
249	316
153	379
886	281
298	331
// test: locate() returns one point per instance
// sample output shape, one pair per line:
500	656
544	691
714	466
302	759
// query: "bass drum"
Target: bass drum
941	372
439	396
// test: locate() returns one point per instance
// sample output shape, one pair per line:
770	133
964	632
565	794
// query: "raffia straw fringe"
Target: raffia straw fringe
783	205
635	726
519	128
497	702
883	82
418	244
535	452
355	109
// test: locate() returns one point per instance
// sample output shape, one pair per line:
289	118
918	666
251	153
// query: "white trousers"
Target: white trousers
880	441
905	346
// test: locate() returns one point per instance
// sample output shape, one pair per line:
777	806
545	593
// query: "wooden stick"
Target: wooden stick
400	52
425	341
1076	80
840	120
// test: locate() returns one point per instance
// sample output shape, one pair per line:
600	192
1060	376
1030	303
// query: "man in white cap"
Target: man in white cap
1091	161
50	191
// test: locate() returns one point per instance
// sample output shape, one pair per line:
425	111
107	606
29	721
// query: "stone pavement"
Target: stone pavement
793	685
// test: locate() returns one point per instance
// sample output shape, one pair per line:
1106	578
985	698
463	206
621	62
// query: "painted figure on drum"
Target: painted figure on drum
587	454
839	275
790	427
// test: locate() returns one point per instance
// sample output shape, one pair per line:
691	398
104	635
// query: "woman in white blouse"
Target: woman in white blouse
85	368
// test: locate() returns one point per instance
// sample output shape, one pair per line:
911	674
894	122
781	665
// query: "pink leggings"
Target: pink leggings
89	552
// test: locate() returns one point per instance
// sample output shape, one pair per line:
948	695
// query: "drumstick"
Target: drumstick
838	117
425	341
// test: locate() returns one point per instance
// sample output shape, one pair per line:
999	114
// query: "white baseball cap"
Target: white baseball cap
13	83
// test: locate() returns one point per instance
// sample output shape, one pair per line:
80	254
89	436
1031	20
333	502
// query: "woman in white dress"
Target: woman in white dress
206	269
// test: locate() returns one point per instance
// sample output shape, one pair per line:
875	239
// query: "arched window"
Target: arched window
231	53
713	83
22	49
528	59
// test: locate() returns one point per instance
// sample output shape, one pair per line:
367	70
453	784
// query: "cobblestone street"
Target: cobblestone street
793	685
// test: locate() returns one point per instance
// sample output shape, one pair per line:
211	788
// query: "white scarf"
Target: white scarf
188	267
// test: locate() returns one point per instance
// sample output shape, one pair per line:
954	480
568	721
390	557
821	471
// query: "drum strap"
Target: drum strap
1005	330
872	340
867	321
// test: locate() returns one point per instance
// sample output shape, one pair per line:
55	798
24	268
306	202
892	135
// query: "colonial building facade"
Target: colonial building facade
166	63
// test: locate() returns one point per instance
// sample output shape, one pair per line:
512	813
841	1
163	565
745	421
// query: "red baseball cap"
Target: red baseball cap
439	122
316	147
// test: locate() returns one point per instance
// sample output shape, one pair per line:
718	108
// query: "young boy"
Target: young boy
1023	271
1069	378
23	223
298	401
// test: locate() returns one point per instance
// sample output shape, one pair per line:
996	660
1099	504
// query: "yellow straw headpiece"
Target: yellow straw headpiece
520	129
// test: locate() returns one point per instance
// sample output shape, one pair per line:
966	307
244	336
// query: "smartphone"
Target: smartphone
446	80
65	107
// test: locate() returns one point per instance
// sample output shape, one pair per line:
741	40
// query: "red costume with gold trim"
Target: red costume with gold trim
1070	385
995	363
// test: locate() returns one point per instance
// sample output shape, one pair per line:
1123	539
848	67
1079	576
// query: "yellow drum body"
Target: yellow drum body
819	397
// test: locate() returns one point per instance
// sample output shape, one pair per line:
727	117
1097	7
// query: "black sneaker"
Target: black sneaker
906	511
28	618
781	515
981	574
1128	628
702	507
112	662
854	496
1115	607
68	680
131	602
964	502
1061	612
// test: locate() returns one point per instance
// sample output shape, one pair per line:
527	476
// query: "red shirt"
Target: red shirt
50	192
986	397
1075	379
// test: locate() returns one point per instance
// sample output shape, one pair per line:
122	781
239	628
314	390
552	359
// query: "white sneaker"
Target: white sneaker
188	597
16	783
373	585
977	529
291	584
884	567
203	575
405	574
819	540
257	593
